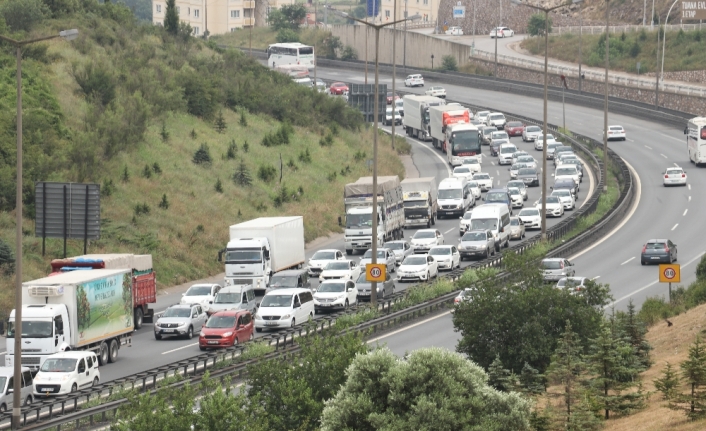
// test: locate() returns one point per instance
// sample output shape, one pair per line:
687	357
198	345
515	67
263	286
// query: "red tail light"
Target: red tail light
666	248
666	176
644	247
683	175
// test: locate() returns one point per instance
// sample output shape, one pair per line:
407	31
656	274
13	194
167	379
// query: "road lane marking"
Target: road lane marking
628	260
449	231
638	194
444	162
676	166
630	140
685	211
612	304
648	147
596	277
688	186
407	327
492	163
180	348
675	226
681	141
662	155
689	198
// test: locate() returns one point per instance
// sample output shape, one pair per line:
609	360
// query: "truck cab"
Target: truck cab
359	228
44	332
247	261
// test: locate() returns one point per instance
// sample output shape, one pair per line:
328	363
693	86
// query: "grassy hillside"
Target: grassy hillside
130	98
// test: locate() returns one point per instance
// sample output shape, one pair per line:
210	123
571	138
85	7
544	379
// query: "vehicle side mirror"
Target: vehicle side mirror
551	188
10	390
210	302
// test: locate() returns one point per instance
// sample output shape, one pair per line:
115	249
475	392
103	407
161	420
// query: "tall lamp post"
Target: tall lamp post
664	41
605	102
17	327
377	27
546	83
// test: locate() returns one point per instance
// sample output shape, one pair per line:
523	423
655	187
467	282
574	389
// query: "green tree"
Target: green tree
567	367
537	24
242	177
530	380
499	377
701	269
668	384
583	418
349	53
220	123
171	18
286	35
448	62
7	259
167	409
23	15
693	371
431	389
636	330
202	156
287	17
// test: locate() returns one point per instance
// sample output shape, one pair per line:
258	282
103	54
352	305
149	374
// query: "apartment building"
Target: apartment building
219	16
427	9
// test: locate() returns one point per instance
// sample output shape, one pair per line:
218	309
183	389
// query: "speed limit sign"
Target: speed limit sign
375	272
669	273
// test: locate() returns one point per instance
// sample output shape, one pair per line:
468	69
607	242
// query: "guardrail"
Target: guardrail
55	412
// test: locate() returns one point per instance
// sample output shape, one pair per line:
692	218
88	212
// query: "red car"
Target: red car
226	328
338	88
390	97
514	128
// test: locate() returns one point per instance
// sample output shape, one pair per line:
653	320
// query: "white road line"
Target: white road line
445	162
676	166
662	155
688	186
689	198
685	211
407	327
648	147
638	194
449	231
675	226
498	171
672	137
628	260
630	140
596	277
492	163
180	348
651	284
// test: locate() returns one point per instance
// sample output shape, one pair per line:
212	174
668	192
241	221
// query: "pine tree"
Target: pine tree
126	175
583	418
567	366
246	147
218	186
693	371
636	331
7	259
669	383
243	120
164	132
220	123
171	18
499	377
612	362
147	171
531	381
242	176
232	150
202	156
164	204
193	134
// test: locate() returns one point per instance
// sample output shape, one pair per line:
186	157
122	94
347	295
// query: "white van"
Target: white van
505	154
454	197
496	218
7	386
236	297
284	308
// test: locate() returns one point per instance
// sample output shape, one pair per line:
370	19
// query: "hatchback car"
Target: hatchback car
539	141
390	116
226	329
180	320
418	267
425	239
335	295
530	133
529	161
474	188
515	168
505	154
531	218
462	172
658	251
616	133
556	268
674	177
477	243
495	145
482	115
321	258
289	278
447	256
414	81
567	184
514	128
567	171
566	198
385	256
516	197
463	296
200	294
501	32
517	228
338	88
436	92
384	289
67	372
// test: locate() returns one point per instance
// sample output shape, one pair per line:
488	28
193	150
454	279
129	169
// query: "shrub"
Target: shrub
164	133
126	175
701	269
242	176
448	62
147	171
219	186
164	203
156	169
142	209
266	173
232	150
305	156
220	123
96	81
349	53
202	156
635	49
22	15
287	35
107	188
7	260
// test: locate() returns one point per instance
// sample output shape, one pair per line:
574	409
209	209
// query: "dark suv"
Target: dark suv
499	196
567	184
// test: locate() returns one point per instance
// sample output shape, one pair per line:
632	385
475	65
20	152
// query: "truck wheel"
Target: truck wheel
113	351
138	318
103	352
433	219
349	252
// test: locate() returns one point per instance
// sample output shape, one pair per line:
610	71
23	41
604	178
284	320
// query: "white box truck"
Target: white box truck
358	204
76	310
420	201
258	248
416	115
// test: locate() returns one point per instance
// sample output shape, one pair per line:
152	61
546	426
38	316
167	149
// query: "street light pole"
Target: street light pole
580	58
605	103
664	40
377	27
394	72
17	325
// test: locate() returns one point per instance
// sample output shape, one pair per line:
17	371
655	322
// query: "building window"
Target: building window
196	31
232	29
235	14
426	1
188	10
387	14
178	10
159	8
196	13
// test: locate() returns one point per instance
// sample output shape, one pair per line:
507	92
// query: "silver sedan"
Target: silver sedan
401	249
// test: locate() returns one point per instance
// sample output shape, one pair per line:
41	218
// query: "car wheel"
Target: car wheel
428	276
202	348
95	381
28	401
258	329
190	333
642	262
113	351
74	387
294	322
156	337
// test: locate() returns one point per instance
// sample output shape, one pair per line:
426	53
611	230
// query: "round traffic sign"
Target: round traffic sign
669	273
375	272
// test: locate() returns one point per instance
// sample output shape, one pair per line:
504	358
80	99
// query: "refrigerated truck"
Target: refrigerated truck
75	310
420	201
416	115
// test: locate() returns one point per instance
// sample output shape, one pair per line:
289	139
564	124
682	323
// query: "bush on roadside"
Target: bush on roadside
448	62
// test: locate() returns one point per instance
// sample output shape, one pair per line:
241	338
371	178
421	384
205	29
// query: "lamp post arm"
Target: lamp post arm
26	42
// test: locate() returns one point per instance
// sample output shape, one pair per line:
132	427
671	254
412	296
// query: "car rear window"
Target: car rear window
514	124
655	246
674	171
618	128
551	264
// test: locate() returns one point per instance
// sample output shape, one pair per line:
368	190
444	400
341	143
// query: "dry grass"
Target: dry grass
261	37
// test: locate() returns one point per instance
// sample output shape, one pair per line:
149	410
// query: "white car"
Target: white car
436	92
517	154
496	119
67	372
500	134
555	207
501	32
463	296
400	248
520	185
530	133
385	256
454	31
200	294
484	180
472	163
446	256
566	198
419	267
516	197
414	81
321	258
531	217
567	171
462	172
505	153
464	222
335	294
616	132
474	187
425	239
530	161
482	116
340	269
674	176
539	141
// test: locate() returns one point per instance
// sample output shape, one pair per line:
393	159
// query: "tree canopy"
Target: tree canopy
536	24
289	16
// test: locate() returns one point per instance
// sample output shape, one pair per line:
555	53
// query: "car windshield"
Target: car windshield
516	184
332	287
525	159
514	191
655	246
529	212
284	280
362	278
198	291
496	197
440	251
462	170
324	255
394	245
276	301
552	200
59	365
228	298
474	236
561	193
527	171
337	265
496	117
415	260
424	234
473	185
508	150
484	223
450	194
533	129
471	161
221	322
369	254
551	264
481	177
499	135
674	172
243	256
514	222
553	145
565	171
177	312
32	329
